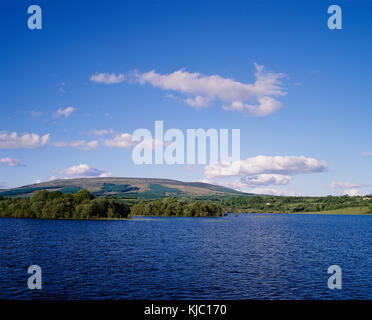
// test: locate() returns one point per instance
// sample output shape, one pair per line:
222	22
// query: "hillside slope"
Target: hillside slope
126	187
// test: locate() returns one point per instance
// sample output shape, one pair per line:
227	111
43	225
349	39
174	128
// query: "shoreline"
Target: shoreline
331	212
144	218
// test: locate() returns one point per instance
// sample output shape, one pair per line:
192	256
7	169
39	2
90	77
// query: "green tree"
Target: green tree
83	196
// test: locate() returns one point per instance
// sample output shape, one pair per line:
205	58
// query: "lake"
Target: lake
252	256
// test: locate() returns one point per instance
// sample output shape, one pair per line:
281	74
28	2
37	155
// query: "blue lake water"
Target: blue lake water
256	256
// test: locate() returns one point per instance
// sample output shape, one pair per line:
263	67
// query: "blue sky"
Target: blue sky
322	112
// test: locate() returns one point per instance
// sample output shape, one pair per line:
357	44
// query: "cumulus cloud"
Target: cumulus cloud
198	101
79	144
283	165
266	179
240	185
352	192
349	188
273	192
254	98
10	162
123	140
347	185
83	171
265	106
247	182
25	140
107	78
259	171
64	112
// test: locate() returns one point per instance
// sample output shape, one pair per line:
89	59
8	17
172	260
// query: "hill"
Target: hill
126	187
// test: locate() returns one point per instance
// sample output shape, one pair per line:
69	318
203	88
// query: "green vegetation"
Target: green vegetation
110	187
83	205
145	188
351	210
158	191
56	205
72	189
275	204
109	198
23	191
174	207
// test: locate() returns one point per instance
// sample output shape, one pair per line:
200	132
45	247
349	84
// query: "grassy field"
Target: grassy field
343	211
351	210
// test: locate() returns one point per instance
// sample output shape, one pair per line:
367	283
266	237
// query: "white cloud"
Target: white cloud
247	182
350	188
80	144
265	106
236	185
274	192
64	112
202	90
45	180
10	162
83	171
107	78
266	179
244	187
198	101
346	185
352	192
123	140
101	132
26	140
283	165
259	171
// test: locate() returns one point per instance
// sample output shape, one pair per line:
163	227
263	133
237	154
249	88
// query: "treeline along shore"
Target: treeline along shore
296	204
84	205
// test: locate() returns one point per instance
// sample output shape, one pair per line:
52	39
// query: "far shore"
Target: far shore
359	211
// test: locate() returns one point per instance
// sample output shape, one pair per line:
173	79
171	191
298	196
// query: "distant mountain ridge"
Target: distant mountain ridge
126	187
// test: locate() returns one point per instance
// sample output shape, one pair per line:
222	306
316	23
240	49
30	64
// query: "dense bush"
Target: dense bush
83	205
174	207
56	205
